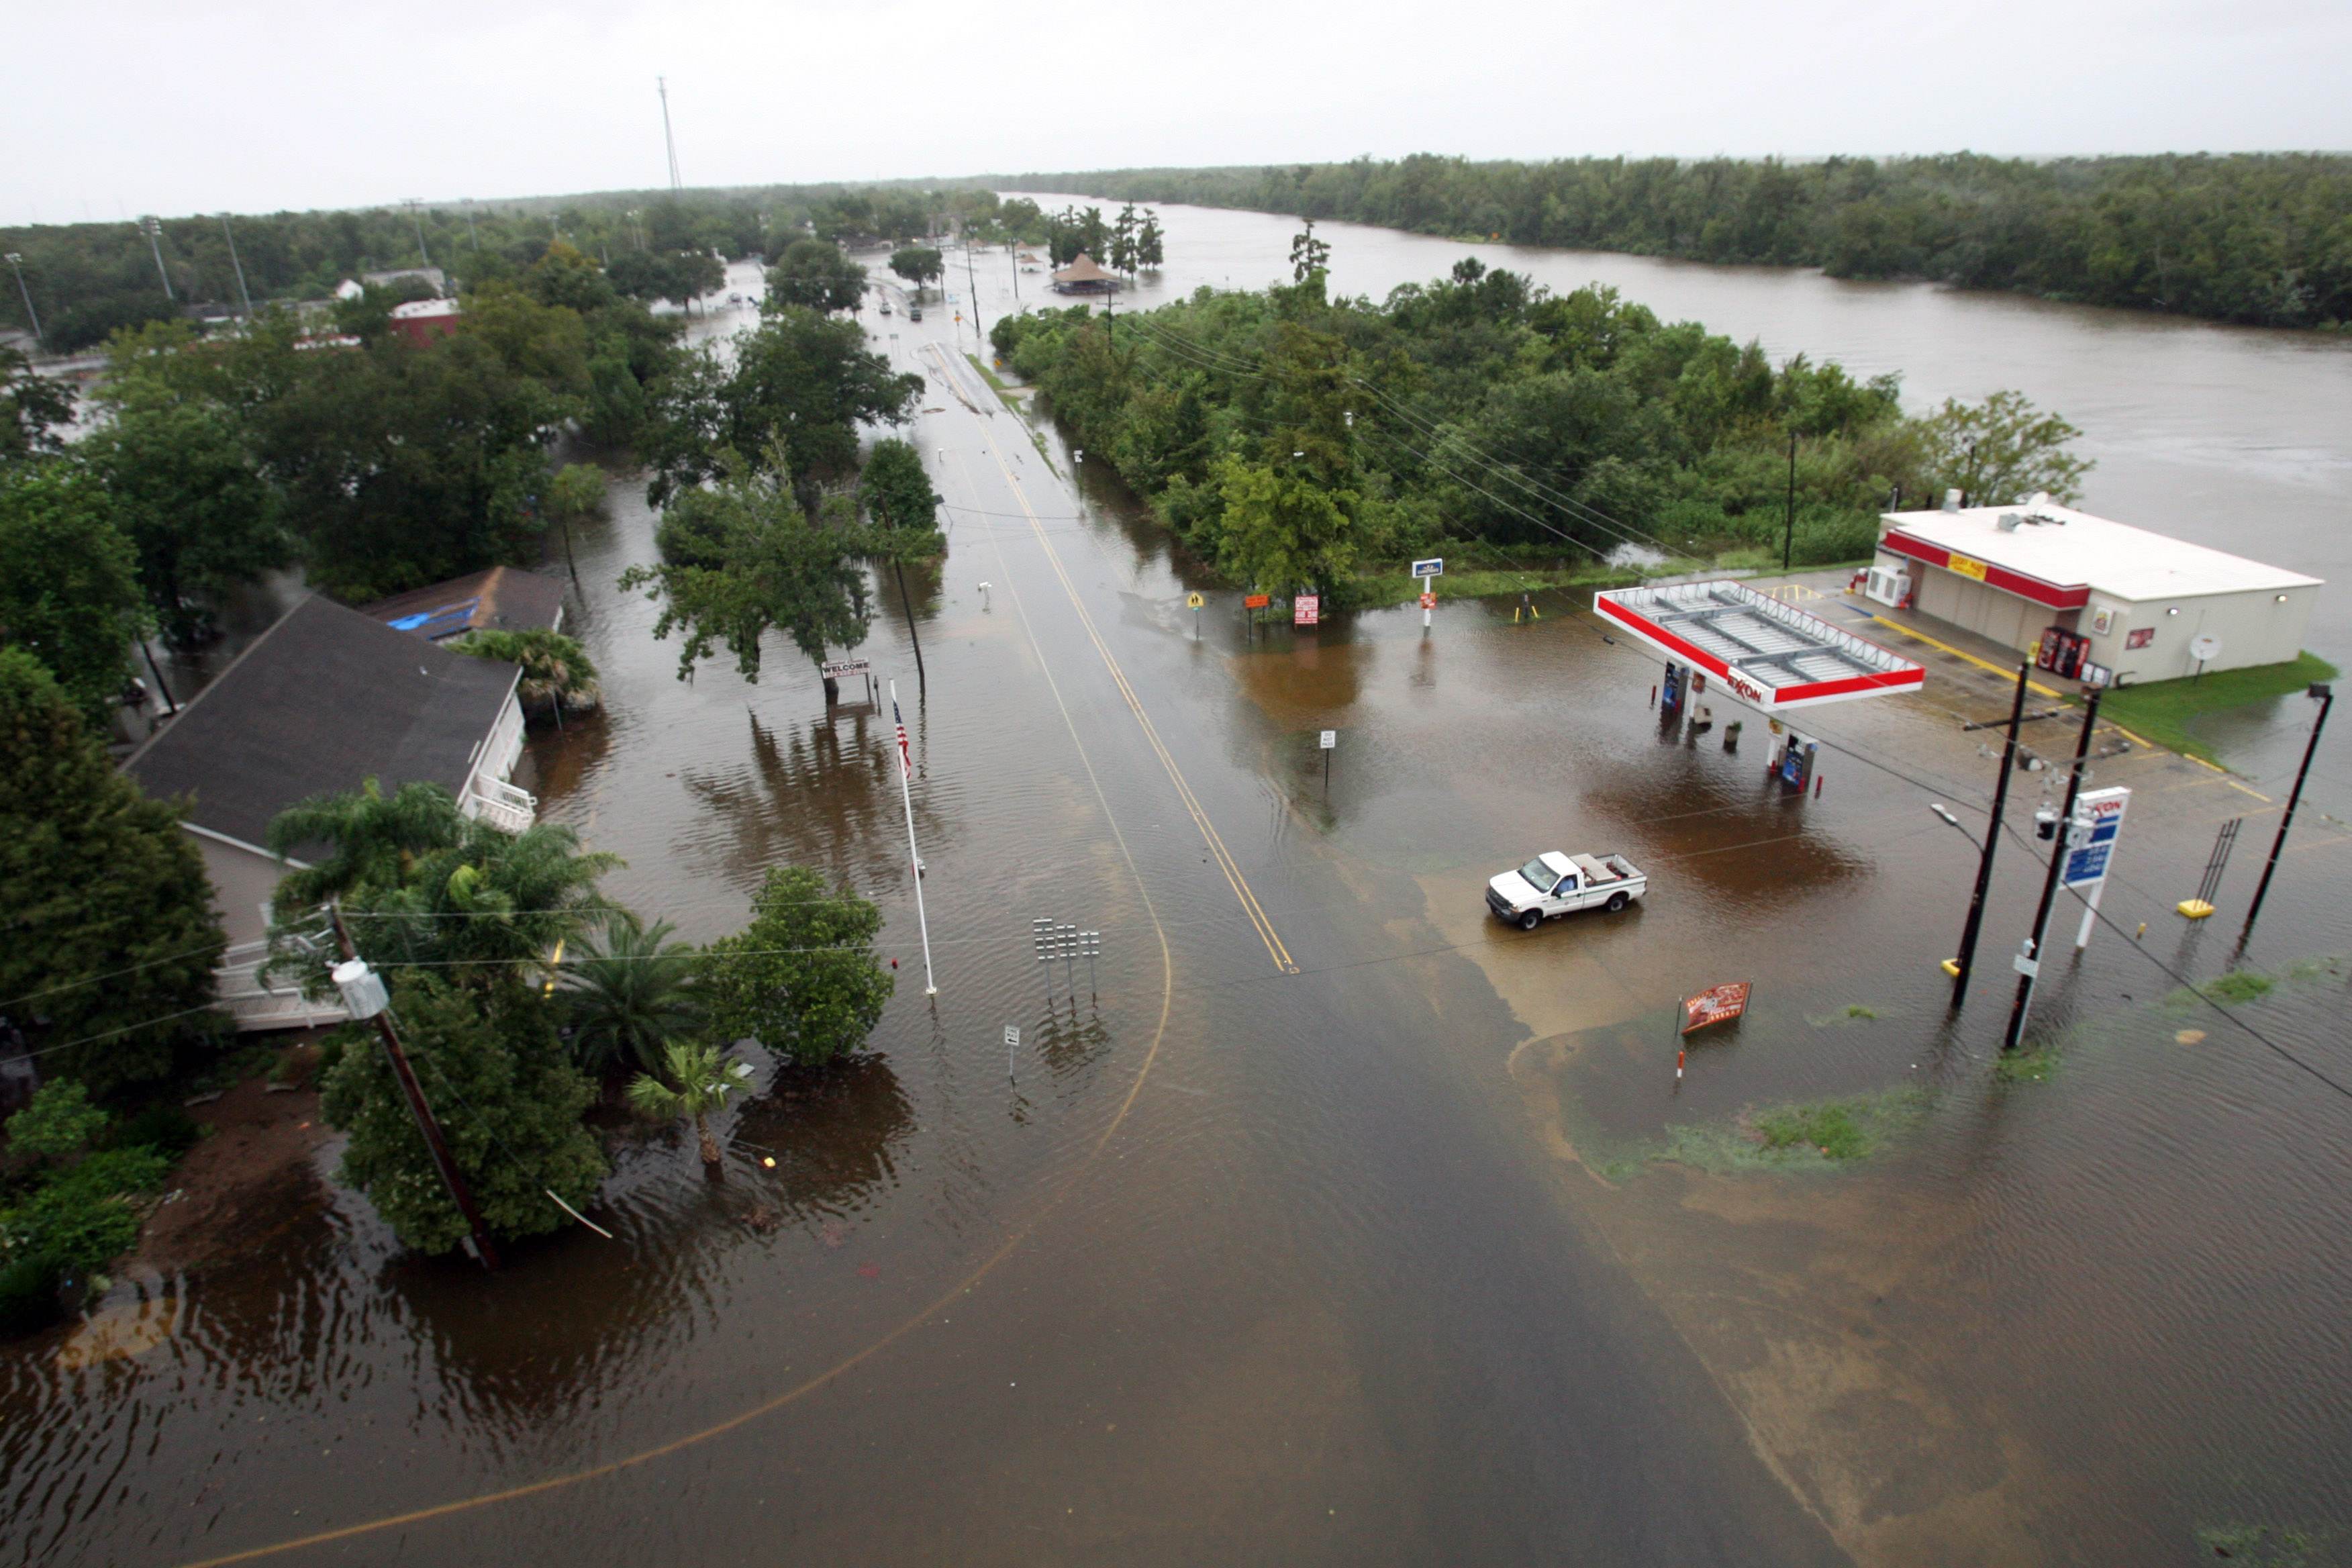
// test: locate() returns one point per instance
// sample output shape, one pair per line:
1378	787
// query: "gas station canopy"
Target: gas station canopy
1768	654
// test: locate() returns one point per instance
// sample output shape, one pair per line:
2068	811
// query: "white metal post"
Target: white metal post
906	795
2090	914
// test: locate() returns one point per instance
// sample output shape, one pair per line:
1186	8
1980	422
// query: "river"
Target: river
1318	1221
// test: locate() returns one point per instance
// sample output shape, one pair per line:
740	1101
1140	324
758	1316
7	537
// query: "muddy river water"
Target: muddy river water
1321	1221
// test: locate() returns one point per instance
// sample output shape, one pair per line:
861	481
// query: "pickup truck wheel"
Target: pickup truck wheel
1532	919
1617	901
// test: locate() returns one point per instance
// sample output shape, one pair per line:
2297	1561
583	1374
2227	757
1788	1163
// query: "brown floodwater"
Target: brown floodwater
1319	1222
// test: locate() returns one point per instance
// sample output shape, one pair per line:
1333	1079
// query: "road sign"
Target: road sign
1429	601
1011	1036
1256	601
1330	739
1427	568
1306	609
1193	601
1715	1004
836	668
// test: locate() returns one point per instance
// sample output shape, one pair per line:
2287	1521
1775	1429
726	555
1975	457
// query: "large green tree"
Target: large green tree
802	978
792	400
69	591
2002	450
187	492
918	264
111	934
508	1101
629	994
740	559
895	490
33	409
814	275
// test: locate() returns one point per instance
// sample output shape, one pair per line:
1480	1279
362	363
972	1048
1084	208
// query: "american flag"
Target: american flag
906	758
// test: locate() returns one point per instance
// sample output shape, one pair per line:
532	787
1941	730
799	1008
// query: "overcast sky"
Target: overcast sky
125	106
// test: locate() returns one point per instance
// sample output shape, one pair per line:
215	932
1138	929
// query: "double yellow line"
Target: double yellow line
1223	857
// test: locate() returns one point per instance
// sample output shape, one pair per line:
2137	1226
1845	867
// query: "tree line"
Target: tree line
2260	239
1298	440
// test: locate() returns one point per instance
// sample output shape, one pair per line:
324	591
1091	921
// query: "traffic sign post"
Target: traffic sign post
1426	572
1195	600
1330	742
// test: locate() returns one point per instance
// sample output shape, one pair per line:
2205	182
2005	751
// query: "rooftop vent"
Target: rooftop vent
2009	522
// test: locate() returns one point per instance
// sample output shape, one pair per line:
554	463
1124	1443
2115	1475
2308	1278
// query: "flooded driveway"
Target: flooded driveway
1321	1223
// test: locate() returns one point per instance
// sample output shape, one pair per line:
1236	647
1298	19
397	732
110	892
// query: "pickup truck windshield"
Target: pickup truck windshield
1538	875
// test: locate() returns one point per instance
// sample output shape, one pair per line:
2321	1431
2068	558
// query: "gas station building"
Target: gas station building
2090	598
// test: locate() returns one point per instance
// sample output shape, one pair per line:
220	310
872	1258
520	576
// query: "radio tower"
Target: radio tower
661	85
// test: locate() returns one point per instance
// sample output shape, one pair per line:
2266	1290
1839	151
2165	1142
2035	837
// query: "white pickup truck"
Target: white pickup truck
1557	884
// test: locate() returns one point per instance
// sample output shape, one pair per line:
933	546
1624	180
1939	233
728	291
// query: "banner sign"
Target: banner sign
1715	1004
1256	601
1967	566
834	670
1306	609
2098	819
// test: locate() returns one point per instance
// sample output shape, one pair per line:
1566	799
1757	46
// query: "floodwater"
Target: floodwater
1318	1223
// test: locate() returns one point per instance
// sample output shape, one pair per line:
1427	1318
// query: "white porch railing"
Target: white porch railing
277	1005
500	804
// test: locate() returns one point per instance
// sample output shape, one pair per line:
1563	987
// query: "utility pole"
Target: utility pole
154	228
419	224
2030	965
1789	537
242	292
472	238
1967	961
16	261
661	85
972	282
914	637
367	992
2326	697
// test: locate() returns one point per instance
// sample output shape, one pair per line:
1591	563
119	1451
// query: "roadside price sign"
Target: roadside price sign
1715	1004
1306	609
1257	600
1193	601
1428	601
2098	820
1427	568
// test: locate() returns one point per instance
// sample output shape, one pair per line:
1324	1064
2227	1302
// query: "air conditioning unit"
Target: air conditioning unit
1887	585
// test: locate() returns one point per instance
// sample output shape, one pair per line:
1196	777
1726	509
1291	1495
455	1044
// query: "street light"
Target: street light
16	261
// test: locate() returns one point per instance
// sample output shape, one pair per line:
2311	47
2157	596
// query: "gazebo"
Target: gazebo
1082	277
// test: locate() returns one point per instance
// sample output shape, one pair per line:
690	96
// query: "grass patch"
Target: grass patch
2257	1543
1818	1134
1851	1013
2240	985
1830	1128
2166	711
996	384
1393	587
2031	1064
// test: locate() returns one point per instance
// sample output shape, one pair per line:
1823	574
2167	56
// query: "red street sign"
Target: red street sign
1715	1004
1306	609
1429	601
1256	601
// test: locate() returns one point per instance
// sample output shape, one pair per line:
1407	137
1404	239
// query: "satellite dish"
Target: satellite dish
2205	649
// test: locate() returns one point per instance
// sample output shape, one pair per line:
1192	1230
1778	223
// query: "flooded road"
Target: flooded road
1322	1225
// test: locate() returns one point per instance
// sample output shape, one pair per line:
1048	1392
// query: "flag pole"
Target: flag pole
906	773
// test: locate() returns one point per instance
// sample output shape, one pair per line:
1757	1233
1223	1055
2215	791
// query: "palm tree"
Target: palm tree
555	668
704	1080
631	995
373	838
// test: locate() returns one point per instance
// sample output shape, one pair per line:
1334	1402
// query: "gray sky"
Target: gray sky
125	106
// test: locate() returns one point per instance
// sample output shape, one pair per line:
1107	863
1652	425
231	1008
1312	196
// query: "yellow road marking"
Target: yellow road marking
2031	685
1223	857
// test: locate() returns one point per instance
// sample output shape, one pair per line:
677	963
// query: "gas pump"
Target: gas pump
1670	693
1794	761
